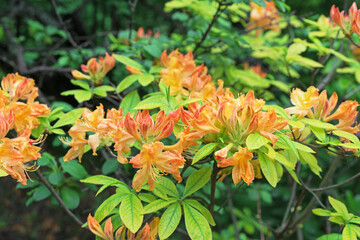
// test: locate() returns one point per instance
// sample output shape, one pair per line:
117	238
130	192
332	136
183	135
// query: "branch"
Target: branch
213	187
229	197
132	6
58	198
336	185
217	14
353	42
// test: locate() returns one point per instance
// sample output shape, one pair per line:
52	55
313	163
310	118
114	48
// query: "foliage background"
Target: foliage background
34	43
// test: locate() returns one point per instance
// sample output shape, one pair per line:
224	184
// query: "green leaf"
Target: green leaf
99	180
75	169
284	160
153	50
319	133
166	185
256	141
332	236
311	160
203	152
126	82
110	166
70	197
321	212
69	118
284	139
146	197
355	229
196	224
152	102
102	90
129	102
108	205
3	173
203	210
56	178
318	123
268	168
187	101
146	79
129	62
351	137
348	233
197	180
41	193
296	48
80	95
169	220
259	2
130	212
82	84
156	205
338	206
279	110
302	147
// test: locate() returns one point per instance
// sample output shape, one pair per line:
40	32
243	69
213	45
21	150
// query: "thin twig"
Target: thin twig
221	8
312	192
58	198
336	185
213	187
132	6
229	197
353	42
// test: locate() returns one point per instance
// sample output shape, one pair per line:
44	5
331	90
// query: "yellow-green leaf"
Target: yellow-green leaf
256	141
108	205
196	224
321	212
204	151
156	205
197	180
169	220
348	233
3	173
126	82
130	212
129	62
268	168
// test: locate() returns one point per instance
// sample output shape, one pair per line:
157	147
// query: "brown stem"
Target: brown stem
58	198
213	187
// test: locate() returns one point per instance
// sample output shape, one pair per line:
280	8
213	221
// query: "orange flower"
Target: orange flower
16	152
96	69
269	122
90	122
96	229
152	160
303	101
262	18
349	23
346	114
6	122
243	169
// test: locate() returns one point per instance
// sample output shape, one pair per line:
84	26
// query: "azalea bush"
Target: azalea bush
240	124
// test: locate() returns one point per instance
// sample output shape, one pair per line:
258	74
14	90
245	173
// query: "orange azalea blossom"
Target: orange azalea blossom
152	160
91	122
317	106
107	233
145	130
121	137
17	87
241	160
96	69
16	152
349	23
240	116
303	101
269	122
141	34
185	78
256	69
149	232
262	18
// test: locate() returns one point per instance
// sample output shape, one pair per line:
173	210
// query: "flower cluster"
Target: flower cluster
262	18
19	112
349	23
96	70
316	106
185	78
123	131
